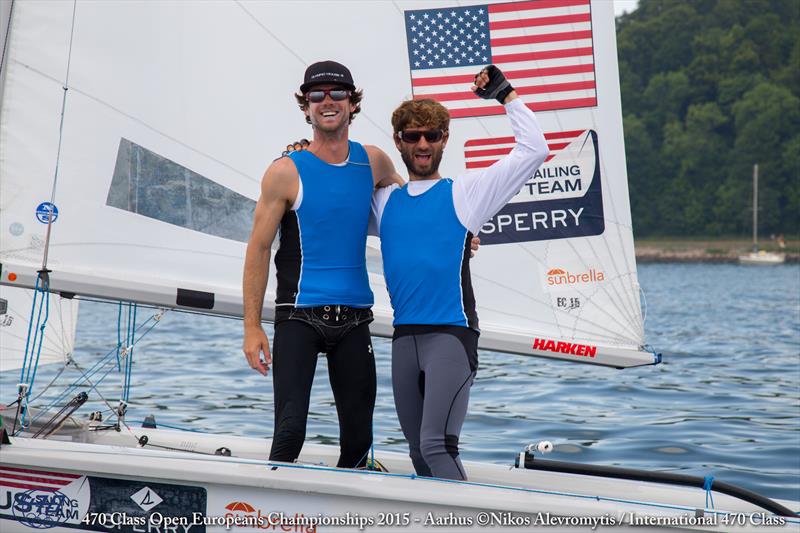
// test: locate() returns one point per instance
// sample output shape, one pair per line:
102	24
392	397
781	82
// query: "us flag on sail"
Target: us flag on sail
480	153
544	47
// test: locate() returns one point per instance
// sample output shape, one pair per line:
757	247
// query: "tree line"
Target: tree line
710	87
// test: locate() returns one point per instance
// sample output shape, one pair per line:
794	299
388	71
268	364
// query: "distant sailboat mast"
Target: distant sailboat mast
755	207
757	257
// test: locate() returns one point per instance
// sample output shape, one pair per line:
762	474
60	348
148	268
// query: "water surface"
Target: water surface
725	401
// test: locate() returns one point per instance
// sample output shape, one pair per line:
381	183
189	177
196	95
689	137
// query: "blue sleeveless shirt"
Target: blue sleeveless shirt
426	258
321	259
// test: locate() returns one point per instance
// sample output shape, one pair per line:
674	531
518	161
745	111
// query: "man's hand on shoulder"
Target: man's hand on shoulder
383	171
297	146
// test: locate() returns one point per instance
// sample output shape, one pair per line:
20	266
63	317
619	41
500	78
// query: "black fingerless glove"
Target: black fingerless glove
498	86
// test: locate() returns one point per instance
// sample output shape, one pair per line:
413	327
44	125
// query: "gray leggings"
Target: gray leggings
433	368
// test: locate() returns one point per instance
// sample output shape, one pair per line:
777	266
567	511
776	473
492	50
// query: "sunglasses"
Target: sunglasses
412	137
318	95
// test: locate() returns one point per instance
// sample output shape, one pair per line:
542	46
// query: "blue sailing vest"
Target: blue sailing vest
324	260
426	258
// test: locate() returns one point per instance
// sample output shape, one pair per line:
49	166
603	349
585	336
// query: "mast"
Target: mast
755	207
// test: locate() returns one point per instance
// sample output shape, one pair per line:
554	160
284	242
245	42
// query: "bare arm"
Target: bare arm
278	190
383	172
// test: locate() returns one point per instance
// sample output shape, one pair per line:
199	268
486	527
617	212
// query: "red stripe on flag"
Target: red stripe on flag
539	21
40	472
545	54
541	38
511	74
488	151
557	146
536	106
535	89
564	104
480	164
34	479
484	142
563	134
503	151
539	4
27	487
490	162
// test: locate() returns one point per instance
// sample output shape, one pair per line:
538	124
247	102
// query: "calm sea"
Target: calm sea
725	401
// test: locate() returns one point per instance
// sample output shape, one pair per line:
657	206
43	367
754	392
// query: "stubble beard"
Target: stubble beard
408	159
331	130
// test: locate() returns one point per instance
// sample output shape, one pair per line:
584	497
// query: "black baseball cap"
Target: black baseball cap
327	72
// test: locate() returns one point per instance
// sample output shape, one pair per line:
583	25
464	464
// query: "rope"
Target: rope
28	339
707	482
119	332
161	424
129	369
126	356
503	487
30	364
85	379
656	355
40	334
96	368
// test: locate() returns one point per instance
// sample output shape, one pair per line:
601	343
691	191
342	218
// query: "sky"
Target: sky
624	6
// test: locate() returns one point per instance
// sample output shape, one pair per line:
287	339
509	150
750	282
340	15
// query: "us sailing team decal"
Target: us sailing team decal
562	199
44	499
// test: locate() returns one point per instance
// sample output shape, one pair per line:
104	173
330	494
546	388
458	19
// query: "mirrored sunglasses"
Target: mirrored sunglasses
318	95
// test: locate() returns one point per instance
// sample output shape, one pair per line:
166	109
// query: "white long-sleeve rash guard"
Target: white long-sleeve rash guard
479	194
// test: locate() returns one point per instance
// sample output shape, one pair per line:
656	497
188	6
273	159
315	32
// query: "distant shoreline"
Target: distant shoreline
675	250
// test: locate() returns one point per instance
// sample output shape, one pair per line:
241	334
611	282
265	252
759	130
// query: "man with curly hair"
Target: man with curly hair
425	228
320	199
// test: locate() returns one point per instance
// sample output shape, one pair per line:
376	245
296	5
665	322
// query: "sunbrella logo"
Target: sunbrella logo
242	514
240	506
558	276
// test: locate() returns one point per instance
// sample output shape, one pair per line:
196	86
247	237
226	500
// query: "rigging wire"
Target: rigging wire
6	38
65	88
30	364
106	364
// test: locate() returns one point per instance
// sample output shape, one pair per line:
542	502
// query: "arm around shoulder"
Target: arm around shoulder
383	171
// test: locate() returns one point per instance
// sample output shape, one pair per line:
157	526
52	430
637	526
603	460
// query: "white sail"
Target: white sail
173	110
59	316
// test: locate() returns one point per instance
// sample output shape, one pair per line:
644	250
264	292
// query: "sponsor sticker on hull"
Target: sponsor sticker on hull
44	499
240	514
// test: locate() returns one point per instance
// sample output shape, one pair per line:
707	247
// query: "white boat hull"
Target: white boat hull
109	473
762	258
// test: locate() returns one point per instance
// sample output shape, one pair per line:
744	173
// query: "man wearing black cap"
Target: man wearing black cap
320	198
